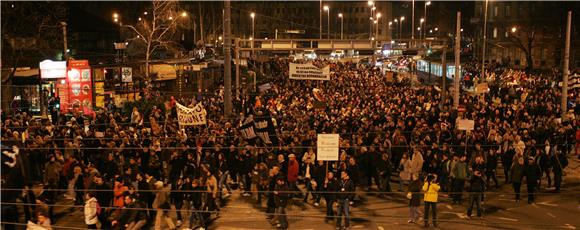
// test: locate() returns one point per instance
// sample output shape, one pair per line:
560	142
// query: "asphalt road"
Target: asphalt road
551	211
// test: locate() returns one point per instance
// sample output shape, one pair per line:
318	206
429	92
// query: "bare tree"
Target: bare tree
525	38
155	31
30	32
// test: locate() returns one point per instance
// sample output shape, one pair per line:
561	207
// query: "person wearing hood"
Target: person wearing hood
533	174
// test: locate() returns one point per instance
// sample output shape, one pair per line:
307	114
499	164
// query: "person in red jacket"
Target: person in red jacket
292	172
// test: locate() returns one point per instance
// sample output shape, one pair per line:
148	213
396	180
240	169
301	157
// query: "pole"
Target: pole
457	61
444	75
64	40
484	40
341	26
413	21
328	22
200	24
320	19
565	71
425	20
237	50
227	61
253	28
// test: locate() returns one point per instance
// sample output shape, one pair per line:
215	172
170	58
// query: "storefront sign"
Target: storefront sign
52	69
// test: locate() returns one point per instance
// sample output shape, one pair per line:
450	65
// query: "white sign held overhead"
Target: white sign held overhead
127	74
465	124
327	147
308	72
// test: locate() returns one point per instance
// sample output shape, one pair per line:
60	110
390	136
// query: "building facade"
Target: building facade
522	30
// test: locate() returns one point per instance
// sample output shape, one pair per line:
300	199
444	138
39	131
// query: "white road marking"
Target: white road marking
550	214
568	226
548	204
510	219
458	214
357	226
380	228
449	207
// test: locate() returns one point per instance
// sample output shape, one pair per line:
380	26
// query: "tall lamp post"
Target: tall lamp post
341	24
397	29
253	16
425	19
483	44
377	22
390	24
401	24
413	20
327	9
422	29
372	5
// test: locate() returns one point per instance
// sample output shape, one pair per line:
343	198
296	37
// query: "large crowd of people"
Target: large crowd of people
127	170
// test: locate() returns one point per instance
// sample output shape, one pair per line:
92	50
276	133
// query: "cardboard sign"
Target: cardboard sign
465	124
327	147
126	74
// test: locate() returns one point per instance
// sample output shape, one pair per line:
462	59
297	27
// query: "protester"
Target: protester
431	189
411	126
92	210
344	193
476	190
414	196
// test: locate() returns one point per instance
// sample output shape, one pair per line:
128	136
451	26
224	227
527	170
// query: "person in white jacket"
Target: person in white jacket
91	212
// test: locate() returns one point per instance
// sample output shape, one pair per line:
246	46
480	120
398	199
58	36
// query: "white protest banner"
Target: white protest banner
465	124
327	147
309	72
187	116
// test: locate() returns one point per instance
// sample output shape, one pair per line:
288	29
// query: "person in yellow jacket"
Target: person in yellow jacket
431	189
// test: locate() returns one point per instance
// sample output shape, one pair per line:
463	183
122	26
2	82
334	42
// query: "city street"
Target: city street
551	211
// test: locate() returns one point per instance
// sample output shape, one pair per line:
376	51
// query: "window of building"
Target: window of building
495	10
506	34
494	32
507	11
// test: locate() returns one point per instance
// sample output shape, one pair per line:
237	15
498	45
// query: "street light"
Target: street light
341	24
373	8
401	25
253	15
377	26
397	28
428	3
115	15
514	29
420	26
327	9
184	14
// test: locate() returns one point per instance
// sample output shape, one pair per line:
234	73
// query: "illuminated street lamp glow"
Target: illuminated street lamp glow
390	23
326	8
184	14
379	15
115	15
139	19
422	20
436	29
116	19
170	18
514	29
145	13
402	18
370	3
340	15
253	15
